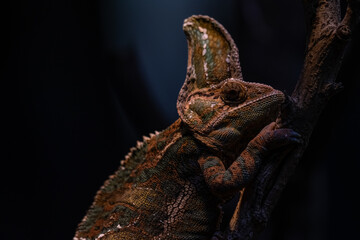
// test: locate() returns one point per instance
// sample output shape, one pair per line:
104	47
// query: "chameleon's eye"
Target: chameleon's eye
233	92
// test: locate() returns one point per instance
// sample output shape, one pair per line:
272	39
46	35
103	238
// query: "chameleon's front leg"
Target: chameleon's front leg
225	182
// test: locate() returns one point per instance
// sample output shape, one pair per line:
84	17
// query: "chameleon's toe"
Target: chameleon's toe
270	138
283	137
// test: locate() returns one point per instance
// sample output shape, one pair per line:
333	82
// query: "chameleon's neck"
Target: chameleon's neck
210	143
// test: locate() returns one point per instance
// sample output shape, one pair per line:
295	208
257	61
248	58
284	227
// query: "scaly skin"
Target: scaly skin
171	184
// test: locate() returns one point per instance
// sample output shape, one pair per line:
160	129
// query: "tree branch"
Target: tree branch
327	37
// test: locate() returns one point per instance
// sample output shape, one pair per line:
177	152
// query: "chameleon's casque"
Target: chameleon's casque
170	185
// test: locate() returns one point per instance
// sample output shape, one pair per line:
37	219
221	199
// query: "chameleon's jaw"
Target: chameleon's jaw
261	108
229	128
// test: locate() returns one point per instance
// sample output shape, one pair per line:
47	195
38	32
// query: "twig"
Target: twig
327	37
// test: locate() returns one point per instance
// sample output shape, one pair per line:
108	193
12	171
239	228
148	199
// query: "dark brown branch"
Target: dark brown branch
328	36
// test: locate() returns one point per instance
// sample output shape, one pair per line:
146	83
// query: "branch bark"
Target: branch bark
327	37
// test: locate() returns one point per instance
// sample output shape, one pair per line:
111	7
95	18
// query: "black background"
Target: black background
83	80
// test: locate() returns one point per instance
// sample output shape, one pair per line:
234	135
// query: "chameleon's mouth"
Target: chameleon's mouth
266	105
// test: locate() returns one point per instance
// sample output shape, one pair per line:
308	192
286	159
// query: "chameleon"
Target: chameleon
173	183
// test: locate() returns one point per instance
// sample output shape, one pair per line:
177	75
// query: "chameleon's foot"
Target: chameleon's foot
218	236
271	138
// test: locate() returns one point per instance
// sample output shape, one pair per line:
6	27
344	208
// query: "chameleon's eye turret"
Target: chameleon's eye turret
233	92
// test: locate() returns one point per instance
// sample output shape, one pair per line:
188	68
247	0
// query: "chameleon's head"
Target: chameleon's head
214	101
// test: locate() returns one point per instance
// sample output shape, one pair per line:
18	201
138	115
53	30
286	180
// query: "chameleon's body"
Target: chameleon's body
170	185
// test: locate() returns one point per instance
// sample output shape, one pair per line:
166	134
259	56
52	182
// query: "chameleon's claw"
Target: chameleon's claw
296	138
